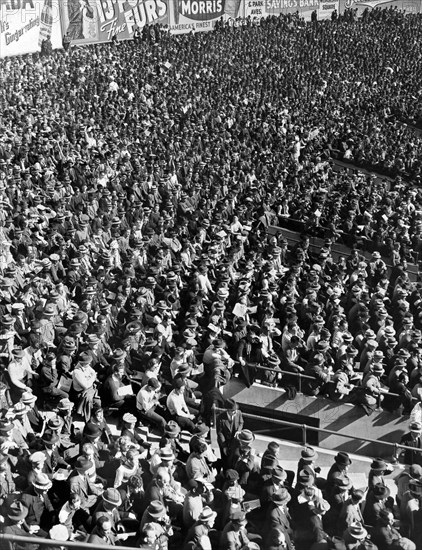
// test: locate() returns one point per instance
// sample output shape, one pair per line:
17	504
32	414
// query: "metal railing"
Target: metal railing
305	428
8	541
300	376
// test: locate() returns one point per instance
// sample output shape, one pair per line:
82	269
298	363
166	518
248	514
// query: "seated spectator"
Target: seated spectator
235	534
84	391
111	388
102	533
197	467
278	517
40	510
16	516
129	467
147	403
376	505
356	538
385	535
81	485
193	503
351	512
202	527
177	406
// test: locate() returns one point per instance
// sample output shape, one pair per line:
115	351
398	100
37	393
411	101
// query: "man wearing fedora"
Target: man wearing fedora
379	468
338	471
355	537
156	512
272	485
242	457
308	458
16	515
203	527
108	506
40	509
22	427
228	424
413	438
51	441
33	414
277	516
235	535
80	484
379	500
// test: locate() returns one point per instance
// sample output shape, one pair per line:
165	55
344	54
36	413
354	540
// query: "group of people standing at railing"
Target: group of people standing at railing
137	183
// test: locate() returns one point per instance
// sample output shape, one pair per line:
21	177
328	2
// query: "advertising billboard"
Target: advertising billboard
88	21
24	24
201	15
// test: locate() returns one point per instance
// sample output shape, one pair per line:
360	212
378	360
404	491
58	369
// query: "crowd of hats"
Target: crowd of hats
123	209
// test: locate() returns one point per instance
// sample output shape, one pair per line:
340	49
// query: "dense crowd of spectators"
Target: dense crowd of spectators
138	181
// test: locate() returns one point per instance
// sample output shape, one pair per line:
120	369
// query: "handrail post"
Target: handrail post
304	434
300	383
395	458
213	416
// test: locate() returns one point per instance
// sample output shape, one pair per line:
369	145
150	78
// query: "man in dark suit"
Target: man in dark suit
277	515
338	471
53	458
235	535
102	533
386	536
412	439
40	510
16	514
228	424
273	485
376	505
81	485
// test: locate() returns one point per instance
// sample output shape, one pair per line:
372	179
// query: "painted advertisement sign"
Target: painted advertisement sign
24	24
304	7
201	15
407	6
87	21
255	9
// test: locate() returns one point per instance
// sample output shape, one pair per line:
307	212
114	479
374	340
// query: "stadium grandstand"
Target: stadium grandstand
210	290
